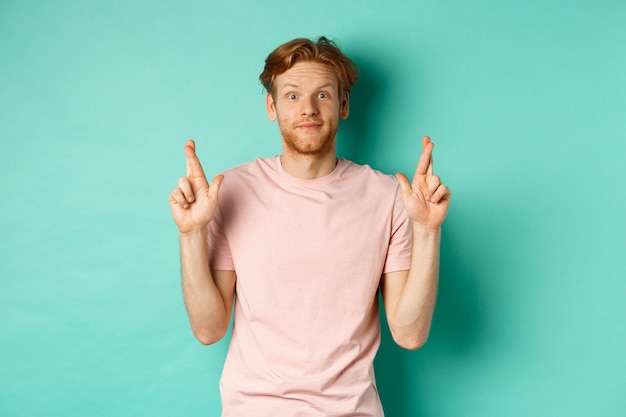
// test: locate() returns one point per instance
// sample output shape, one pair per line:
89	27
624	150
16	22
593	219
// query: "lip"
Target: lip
309	125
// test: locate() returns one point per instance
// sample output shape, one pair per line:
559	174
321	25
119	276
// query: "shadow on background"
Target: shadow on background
458	321
456	332
355	137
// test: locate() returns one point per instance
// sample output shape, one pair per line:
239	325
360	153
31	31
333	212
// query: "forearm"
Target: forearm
414	310
206	307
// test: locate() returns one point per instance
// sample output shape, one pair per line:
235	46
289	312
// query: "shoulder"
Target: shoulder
253	169
370	176
250	166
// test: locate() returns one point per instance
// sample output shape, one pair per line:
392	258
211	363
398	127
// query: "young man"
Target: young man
305	240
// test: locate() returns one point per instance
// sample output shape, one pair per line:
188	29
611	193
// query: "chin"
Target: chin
309	149
308	146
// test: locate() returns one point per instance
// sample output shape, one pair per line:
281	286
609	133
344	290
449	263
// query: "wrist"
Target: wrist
193	233
424	230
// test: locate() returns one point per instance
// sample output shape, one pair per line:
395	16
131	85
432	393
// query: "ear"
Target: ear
344	106
270	107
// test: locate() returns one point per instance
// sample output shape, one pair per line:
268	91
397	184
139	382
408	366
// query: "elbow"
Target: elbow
410	340
207	340
411	343
208	337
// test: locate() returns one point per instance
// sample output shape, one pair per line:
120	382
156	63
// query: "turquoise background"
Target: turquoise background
525	100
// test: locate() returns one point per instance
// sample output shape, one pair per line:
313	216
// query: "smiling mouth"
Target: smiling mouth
309	125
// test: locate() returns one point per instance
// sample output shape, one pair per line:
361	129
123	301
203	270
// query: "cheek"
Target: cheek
283	111
335	111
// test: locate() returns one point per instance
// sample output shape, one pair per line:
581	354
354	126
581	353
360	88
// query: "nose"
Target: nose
309	106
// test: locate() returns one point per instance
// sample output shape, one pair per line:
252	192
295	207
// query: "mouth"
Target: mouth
309	125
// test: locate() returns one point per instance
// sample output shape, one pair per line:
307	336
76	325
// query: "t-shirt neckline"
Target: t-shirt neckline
341	162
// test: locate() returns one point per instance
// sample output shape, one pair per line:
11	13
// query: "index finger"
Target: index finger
194	168
425	164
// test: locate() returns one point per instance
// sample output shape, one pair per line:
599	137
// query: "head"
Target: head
323	51
308	85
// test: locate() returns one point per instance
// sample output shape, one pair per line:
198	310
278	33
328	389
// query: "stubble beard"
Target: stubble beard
307	147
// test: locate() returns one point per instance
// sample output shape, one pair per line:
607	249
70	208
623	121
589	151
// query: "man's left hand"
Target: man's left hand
426	199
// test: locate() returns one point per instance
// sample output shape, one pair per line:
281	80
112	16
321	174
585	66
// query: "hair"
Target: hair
323	51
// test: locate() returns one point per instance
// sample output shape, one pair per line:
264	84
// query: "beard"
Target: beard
320	143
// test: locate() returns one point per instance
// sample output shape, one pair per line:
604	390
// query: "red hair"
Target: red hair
323	51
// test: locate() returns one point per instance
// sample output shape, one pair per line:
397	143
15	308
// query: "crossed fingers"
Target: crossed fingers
184	195
432	187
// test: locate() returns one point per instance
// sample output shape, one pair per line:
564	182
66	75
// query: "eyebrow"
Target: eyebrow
290	85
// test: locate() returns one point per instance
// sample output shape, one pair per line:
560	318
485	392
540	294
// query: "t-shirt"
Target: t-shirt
308	256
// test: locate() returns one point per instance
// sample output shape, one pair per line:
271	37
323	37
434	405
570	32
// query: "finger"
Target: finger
186	189
433	182
429	143
425	162
177	197
194	168
442	193
429	170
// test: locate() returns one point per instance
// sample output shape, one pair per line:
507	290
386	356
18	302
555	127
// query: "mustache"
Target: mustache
309	120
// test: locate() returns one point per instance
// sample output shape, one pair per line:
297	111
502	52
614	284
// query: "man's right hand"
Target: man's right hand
194	201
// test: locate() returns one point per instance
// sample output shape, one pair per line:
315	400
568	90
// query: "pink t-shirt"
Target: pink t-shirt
308	255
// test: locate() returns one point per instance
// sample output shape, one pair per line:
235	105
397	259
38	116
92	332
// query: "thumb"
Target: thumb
214	187
405	186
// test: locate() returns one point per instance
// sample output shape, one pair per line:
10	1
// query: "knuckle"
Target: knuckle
178	195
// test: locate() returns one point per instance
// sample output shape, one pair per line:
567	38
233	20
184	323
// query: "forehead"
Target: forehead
307	74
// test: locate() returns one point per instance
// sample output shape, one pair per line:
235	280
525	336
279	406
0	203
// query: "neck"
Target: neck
308	167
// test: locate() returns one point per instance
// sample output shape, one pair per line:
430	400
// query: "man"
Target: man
305	240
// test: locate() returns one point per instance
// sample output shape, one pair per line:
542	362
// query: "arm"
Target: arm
409	296
208	294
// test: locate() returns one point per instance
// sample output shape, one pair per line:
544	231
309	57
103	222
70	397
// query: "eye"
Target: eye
291	96
323	96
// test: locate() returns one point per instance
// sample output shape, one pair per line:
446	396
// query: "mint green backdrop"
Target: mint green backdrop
525	100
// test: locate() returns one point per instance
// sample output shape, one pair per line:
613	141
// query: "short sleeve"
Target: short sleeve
399	251
220	257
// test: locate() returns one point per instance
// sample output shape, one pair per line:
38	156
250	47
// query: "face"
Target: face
307	104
